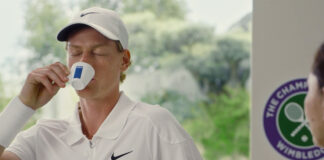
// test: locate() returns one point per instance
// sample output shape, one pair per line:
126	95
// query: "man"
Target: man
107	125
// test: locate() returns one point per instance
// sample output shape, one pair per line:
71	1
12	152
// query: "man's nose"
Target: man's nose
86	57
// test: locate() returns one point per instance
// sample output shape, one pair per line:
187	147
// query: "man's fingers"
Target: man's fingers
63	67
55	88
52	76
57	69
43	79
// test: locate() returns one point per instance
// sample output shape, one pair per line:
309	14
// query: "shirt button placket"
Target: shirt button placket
91	144
91	150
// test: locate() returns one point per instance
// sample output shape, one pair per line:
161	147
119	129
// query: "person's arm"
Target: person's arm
39	88
7	155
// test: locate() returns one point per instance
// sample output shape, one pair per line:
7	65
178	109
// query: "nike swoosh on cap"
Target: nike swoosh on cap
83	14
117	157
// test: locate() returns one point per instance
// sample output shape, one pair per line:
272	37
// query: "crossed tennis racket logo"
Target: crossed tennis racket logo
295	113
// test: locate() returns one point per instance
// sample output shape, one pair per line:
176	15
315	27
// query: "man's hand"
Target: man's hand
42	84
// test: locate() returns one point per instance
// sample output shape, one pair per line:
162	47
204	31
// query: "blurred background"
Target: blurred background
190	56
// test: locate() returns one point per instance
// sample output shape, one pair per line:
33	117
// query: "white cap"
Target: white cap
105	21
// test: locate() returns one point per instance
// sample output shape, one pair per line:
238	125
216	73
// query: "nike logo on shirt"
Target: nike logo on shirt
117	157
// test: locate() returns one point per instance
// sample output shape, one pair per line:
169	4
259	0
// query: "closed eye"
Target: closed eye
75	53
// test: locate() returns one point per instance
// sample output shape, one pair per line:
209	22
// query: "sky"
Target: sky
218	13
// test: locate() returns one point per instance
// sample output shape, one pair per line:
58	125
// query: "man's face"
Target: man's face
314	109
88	45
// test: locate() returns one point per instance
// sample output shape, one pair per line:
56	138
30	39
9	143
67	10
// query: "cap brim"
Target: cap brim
63	35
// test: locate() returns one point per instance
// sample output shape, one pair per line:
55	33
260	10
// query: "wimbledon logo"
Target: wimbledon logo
285	123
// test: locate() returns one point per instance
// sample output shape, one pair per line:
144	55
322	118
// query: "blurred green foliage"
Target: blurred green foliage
3	98
225	130
42	20
161	37
178	104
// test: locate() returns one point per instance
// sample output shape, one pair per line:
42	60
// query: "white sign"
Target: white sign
286	35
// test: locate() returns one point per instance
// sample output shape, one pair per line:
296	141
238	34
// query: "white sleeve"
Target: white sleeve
12	119
24	145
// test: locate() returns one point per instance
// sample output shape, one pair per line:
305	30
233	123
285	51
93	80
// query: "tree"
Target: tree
176	103
234	52
244	24
109	4
160	8
43	19
226	125
169	42
221	65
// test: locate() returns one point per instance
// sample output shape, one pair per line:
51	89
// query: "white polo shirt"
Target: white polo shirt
132	131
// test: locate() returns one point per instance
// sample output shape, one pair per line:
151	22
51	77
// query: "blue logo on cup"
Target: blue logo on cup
78	72
285	124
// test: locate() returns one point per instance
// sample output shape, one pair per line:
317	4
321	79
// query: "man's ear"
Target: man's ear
126	60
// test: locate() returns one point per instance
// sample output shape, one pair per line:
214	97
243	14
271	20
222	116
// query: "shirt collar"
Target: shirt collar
110	128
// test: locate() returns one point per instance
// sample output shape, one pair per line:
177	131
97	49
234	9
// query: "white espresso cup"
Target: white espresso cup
81	74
